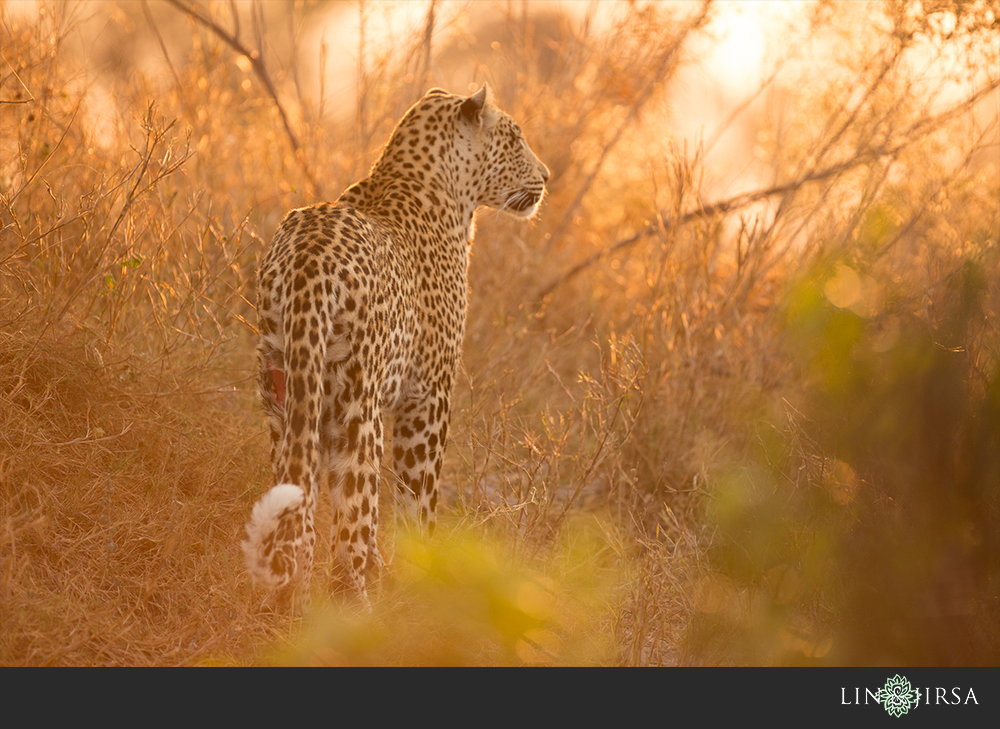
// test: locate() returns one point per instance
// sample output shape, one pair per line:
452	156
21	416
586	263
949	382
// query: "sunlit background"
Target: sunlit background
733	398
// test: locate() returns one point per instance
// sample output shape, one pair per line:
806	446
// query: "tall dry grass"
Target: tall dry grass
671	442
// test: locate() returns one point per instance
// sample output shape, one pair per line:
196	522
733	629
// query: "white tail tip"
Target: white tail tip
278	503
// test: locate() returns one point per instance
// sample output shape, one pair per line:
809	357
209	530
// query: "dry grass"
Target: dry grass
650	463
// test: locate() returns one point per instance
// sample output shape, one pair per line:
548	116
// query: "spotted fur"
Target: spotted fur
361	307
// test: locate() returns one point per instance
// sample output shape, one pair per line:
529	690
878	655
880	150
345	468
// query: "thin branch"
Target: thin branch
739	109
428	37
665	223
31	97
663	70
256	60
910	136
166	57
88	439
51	154
944	183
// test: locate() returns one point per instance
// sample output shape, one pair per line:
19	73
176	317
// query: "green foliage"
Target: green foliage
909	416
882	493
462	600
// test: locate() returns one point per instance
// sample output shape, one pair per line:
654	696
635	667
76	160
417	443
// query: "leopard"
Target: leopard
361	307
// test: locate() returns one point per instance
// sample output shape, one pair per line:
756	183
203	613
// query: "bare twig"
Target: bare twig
428	37
88	439
910	136
31	97
50	155
256	59
166	57
661	71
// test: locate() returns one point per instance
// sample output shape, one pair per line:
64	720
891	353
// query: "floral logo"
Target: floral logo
897	696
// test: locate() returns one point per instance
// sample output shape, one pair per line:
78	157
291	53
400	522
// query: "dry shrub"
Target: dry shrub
125	440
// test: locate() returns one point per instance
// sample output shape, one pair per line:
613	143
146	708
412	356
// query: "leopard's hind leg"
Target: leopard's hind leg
354	456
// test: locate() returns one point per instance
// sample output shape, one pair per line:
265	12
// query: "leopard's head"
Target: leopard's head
507	174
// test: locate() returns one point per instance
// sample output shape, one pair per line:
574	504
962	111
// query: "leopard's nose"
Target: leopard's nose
545	172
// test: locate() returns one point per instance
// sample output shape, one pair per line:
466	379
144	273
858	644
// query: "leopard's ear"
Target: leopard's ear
479	110
436	92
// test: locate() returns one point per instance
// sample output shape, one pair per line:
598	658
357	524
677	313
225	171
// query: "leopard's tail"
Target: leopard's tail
270	545
280	533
